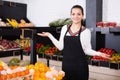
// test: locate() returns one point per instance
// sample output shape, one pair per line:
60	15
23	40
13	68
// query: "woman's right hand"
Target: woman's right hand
44	34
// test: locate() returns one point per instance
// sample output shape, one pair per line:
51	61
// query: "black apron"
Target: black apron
74	62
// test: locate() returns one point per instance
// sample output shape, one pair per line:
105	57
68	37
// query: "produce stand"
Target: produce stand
12	53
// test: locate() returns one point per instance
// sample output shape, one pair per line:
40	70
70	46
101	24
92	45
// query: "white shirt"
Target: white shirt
85	38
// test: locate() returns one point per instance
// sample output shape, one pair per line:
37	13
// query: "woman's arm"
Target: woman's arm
86	44
58	43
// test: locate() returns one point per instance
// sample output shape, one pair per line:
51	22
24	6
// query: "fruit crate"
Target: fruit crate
89	62
48	56
60	57
114	65
55	57
41	55
95	62
11	53
104	63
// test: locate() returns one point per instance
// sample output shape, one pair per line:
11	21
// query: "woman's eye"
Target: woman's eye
76	14
73	14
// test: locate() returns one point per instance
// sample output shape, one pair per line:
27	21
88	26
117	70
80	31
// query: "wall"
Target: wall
48	10
42	12
19	1
45	11
111	10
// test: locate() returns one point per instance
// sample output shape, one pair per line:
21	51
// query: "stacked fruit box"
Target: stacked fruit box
39	71
115	61
100	61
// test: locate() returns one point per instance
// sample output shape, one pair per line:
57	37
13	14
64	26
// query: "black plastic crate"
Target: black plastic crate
104	63
48	56
55	57
95	62
41	55
113	65
89	61
60	57
9	53
5	54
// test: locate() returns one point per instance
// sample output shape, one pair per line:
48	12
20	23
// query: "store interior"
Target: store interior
21	47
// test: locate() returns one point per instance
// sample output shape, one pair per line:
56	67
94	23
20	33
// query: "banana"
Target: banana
12	22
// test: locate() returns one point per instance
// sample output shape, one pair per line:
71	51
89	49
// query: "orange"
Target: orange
1	68
3	77
9	76
14	75
22	73
18	74
26	71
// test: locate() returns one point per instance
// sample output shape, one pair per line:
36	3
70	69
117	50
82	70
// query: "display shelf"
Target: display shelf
98	29
28	32
104	63
114	65
9	31
18	11
103	30
107	30
12	53
115	30
45	28
95	62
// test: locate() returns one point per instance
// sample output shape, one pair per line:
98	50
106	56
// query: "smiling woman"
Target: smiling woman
75	41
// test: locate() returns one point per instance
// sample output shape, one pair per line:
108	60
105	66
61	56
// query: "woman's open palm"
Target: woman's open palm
43	34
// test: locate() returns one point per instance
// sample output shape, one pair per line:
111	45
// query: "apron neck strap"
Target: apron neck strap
69	29
80	31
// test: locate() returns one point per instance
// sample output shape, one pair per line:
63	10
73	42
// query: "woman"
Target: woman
75	41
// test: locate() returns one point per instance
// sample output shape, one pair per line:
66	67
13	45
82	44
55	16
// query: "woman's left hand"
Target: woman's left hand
105	55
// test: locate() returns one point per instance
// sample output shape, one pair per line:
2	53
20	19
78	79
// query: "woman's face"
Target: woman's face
76	15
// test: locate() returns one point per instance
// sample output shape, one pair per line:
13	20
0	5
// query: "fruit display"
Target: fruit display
24	43
60	22
8	45
14	62
51	50
106	24
46	49
39	46
115	58
42	49
113	62
39	71
12	22
15	24
106	51
23	23
2	23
